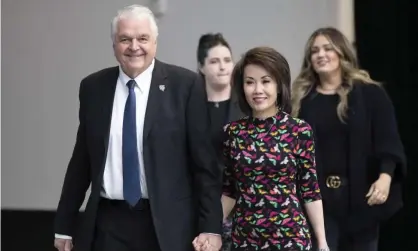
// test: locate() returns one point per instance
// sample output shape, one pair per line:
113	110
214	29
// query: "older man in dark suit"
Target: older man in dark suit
143	145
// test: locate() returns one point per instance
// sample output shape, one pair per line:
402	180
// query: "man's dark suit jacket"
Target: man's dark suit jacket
184	182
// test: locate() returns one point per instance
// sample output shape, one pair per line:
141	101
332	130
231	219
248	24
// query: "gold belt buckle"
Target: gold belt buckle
333	181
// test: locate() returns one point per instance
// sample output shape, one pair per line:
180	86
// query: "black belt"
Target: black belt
143	204
335	181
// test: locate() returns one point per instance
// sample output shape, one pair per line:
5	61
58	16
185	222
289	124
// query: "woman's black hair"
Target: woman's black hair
208	41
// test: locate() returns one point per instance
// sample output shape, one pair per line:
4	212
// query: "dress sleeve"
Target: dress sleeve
228	179
305	151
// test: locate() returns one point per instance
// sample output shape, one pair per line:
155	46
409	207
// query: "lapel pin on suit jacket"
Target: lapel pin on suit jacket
162	87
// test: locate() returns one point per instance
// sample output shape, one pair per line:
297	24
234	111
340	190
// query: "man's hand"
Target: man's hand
207	242
63	244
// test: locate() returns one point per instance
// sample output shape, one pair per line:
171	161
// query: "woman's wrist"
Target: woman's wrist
385	176
322	245
322	242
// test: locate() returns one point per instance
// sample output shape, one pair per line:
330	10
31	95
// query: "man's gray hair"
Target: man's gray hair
134	11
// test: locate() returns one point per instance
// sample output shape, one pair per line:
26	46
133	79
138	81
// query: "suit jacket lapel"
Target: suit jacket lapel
108	94
158	85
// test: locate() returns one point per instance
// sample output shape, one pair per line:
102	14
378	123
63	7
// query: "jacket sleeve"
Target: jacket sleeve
204	161
386	140
77	178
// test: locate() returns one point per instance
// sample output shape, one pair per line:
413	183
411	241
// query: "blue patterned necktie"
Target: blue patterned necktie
130	158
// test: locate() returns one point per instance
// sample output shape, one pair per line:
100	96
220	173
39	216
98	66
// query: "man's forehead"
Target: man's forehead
134	24
136	21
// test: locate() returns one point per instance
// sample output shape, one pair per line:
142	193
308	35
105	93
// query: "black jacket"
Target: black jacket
373	137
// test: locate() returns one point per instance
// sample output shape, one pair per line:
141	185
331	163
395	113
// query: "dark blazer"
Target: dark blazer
183	180
373	136
218	136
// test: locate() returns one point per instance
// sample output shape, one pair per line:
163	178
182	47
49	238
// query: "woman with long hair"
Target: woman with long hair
360	157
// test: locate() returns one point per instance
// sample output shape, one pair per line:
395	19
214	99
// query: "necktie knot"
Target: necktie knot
131	84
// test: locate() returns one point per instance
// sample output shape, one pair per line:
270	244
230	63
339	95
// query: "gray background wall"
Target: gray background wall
48	46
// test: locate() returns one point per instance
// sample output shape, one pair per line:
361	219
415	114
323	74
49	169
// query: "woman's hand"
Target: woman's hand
324	249
322	245
379	190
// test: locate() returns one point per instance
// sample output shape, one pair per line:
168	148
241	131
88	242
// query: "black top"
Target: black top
218	112
373	146
332	138
332	135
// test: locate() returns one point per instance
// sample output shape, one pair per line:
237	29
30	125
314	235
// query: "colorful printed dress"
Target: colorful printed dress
270	171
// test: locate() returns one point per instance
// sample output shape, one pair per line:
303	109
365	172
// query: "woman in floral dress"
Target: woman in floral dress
270	178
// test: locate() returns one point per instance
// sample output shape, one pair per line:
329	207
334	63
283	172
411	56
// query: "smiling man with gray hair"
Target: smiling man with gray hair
143	145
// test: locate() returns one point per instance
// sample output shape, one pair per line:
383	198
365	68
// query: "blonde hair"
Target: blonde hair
308	79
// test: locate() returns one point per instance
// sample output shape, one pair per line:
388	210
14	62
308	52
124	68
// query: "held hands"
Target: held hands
63	244
379	190
207	242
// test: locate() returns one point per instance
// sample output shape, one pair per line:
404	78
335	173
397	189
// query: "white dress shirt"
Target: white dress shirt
113	173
